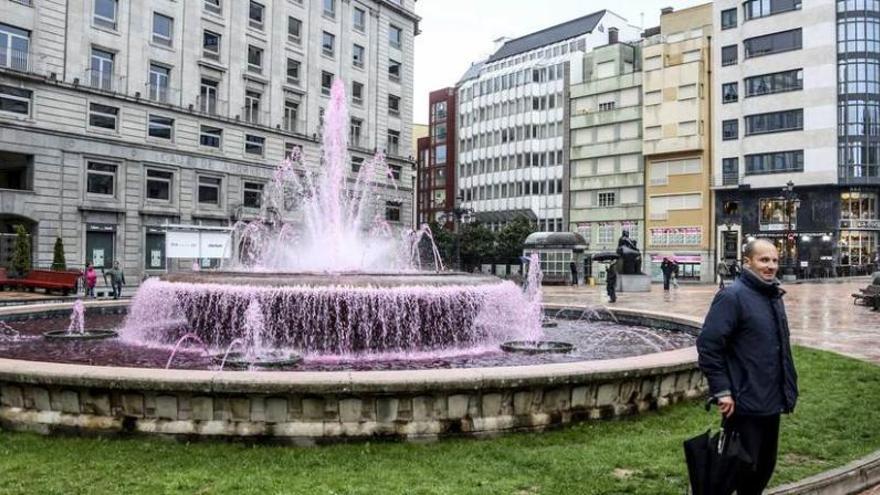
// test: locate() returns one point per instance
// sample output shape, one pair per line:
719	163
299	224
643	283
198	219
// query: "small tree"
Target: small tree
477	244
511	239
58	262
21	252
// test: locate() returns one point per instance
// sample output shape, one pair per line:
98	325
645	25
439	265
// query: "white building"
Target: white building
797	99
513	123
118	117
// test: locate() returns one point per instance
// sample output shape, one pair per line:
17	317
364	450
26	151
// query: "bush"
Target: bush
21	252
58	262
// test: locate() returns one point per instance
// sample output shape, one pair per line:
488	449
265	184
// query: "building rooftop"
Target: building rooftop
555	240
473	71
550	35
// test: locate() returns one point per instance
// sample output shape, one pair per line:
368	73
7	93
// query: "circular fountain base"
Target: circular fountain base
537	346
76	336
271	360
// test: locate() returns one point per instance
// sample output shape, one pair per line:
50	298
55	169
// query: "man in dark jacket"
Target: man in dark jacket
611	281
745	353
572	266
667	267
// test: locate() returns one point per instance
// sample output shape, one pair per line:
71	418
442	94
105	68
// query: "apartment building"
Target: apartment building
436	160
513	123
676	133
797	96
118	118
607	176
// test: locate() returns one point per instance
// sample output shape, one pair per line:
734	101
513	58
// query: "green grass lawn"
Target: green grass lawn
836	422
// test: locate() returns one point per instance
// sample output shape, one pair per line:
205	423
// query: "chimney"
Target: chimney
612	35
666	10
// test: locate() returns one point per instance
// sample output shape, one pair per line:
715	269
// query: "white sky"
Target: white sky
458	32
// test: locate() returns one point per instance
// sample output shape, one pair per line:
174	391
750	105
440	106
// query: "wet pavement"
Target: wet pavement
820	315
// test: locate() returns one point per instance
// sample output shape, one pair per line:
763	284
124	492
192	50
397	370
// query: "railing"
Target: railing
163	94
17	60
297	126
727	179
254	116
103	80
212	106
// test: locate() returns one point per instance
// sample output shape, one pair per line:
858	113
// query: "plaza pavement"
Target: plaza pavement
820	315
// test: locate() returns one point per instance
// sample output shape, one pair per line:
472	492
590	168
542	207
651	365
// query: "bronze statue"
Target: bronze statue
629	254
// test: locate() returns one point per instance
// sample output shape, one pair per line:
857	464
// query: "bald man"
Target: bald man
745	353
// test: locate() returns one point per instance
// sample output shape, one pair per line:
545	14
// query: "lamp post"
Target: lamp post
790	200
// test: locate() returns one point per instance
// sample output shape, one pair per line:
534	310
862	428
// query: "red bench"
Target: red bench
64	281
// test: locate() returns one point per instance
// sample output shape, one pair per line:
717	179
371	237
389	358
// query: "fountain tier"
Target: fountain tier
335	314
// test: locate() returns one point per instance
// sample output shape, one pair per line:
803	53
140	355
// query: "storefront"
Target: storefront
690	266
100	242
556	250
859	232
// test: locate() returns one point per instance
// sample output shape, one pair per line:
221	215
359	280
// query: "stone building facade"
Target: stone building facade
118	117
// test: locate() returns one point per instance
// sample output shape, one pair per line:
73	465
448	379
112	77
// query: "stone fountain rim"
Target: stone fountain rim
268	382
332	279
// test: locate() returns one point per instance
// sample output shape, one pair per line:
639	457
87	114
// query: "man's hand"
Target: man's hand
726	406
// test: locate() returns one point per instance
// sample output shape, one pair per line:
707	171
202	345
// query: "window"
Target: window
293	71
328	42
256	15
294	30
211	45
359	19
354	135
729	92
159	184
660	205
779	82
159	77
255	59
103	116
605	233
729	55
605	107
730	129
209	190
728	18
606	199
330	8
393	105
395	171
101	71
393	142
14	47
392	211
160	127
773	214
15	100
163	29
754	9
100	178
104	14
254	145
291	114
357	93
393	69
773	163
326	83
253	195
358	55
210	136
208	96
659	172
213	6
772	43
439	111
356	162
252	101
395	36
789	120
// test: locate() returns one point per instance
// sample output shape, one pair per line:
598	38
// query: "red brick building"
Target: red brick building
436	160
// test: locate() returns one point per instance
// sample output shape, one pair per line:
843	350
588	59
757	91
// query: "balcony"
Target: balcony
163	94
255	117
19	61
297	126
726	180
103	81
212	106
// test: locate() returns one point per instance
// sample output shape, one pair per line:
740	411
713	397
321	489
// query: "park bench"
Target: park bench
64	281
867	295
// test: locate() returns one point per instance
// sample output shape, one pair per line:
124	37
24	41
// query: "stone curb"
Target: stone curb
849	479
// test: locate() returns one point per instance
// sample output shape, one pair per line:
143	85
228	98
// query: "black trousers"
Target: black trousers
760	438
612	294
666	281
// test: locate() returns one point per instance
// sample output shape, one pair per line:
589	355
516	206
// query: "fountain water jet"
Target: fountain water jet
76	330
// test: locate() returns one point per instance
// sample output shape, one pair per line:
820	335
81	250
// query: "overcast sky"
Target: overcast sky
458	32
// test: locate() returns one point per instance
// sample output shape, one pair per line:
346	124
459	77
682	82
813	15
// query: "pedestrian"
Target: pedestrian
574	272
734	270
667	268
117	279
674	274
745	354
611	281
723	272
91	277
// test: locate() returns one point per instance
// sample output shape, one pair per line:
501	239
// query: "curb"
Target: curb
849	479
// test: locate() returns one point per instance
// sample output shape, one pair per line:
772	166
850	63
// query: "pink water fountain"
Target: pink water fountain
320	275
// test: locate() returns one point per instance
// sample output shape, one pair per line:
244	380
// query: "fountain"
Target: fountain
366	334
76	330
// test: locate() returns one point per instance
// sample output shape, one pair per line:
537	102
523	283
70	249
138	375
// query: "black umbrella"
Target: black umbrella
605	256
713	461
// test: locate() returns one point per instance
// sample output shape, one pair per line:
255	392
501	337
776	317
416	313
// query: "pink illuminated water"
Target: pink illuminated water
77	318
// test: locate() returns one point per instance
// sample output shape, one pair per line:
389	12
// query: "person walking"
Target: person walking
91	278
745	354
667	268
574	272
723	272
117	279
611	281
674	274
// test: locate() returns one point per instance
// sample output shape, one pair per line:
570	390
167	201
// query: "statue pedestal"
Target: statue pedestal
634	283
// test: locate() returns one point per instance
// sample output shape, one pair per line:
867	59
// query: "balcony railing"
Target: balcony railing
103	80
163	94
297	126
252	116
212	106
17	60
727	179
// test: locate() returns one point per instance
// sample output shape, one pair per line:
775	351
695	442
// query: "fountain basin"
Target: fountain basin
317	407
86	335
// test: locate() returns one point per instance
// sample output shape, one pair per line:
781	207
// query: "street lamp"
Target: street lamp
790	198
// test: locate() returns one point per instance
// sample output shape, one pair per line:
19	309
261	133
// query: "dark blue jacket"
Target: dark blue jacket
744	347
